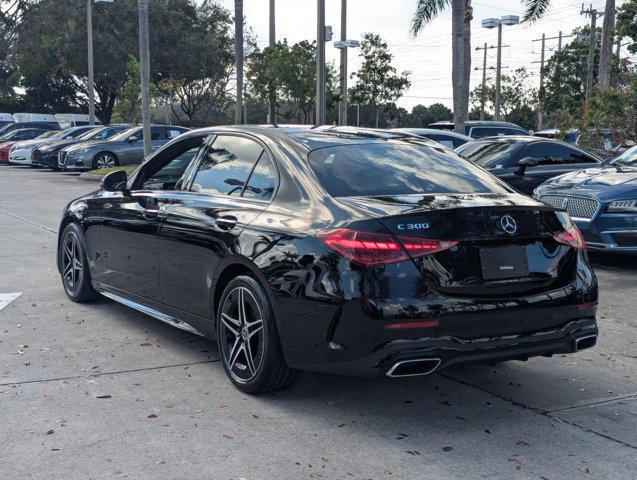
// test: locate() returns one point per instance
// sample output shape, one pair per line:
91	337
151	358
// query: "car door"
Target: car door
231	184
553	159
131	222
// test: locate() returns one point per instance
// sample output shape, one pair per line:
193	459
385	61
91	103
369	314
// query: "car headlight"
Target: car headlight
622	206
81	150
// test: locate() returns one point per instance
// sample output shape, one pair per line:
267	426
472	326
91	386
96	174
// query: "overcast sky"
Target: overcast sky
427	57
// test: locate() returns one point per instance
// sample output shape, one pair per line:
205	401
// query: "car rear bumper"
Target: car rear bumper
442	352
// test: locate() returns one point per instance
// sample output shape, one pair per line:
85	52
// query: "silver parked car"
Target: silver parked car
125	148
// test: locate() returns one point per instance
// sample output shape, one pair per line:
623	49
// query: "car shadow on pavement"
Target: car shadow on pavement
615	261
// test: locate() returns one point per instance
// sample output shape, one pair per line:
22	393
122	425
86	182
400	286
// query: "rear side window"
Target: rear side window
397	168
480	132
447	140
555	154
262	180
489	154
226	165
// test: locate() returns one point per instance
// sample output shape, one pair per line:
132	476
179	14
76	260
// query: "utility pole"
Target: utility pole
238	58
591	48
540	114
342	106
320	63
559	41
606	49
144	67
498	73
272	92
483	93
91	79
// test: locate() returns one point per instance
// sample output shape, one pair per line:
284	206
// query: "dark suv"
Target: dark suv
483	128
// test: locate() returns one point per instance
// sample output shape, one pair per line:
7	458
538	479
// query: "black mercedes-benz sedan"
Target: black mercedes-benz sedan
327	251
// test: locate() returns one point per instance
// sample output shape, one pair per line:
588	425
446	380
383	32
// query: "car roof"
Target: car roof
480	123
312	137
431	131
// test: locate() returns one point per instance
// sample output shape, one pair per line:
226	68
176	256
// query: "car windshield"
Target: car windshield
49	134
486	154
125	134
91	133
629	157
397	168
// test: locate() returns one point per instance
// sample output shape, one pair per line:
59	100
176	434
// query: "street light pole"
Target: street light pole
492	23
91	79
320	62
342	111
272	90
498	70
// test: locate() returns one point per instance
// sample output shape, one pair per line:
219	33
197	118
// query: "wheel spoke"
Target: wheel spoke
234	352
242	308
247	351
68	269
230	323
254	327
67	251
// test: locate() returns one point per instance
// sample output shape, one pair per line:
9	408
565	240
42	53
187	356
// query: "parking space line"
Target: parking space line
628	396
543	413
43	227
94	375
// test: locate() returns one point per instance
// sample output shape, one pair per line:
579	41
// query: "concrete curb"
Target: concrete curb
91	177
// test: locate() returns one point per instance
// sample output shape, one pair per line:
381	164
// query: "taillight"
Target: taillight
571	237
376	248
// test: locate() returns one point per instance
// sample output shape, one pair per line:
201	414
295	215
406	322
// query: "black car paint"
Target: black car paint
332	314
527	179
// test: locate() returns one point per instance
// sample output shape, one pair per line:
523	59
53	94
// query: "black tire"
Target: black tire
76	280
104	160
267	371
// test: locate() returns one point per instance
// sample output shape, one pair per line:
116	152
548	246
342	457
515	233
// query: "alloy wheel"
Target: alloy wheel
104	160
72	265
241	334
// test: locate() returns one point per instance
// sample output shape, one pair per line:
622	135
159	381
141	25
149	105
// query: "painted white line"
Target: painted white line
7	298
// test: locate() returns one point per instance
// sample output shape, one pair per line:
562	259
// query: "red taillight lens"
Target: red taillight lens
571	237
376	248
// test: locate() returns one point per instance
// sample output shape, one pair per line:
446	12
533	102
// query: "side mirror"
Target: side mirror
132	139
115	181
524	163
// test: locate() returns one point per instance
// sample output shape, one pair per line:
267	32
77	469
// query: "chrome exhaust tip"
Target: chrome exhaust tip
413	367
586	341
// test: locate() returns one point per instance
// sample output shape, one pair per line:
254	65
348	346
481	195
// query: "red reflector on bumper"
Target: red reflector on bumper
587	306
398	326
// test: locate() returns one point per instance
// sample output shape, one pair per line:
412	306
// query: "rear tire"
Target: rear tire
248	339
76	277
104	160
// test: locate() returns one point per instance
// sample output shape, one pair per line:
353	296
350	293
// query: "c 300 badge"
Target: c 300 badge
413	226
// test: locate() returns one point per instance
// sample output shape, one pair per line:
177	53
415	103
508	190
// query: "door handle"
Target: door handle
227	222
150	213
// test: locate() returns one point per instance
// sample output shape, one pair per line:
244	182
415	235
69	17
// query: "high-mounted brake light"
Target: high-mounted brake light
571	237
378	248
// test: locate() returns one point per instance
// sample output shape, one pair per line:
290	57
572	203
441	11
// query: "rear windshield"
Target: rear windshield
487	154
397	168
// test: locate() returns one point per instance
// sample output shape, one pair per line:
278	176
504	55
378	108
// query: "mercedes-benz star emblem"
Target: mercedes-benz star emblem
508	224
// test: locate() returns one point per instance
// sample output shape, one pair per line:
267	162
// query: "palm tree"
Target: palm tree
461	15
238	53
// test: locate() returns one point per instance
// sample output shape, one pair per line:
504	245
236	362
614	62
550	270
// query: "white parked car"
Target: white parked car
67	120
6	118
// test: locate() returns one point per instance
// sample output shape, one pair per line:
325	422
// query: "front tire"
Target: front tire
248	339
104	160
76	277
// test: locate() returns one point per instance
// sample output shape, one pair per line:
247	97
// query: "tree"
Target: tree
627	23
50	49
461	16
421	116
292	70
202	84
377	81
516	98
127	107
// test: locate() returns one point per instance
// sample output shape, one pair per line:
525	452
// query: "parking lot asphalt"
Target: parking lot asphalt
97	390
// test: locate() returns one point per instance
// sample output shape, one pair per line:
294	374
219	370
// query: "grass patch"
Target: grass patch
105	171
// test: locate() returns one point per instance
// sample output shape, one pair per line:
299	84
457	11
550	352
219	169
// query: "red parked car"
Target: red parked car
4	151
